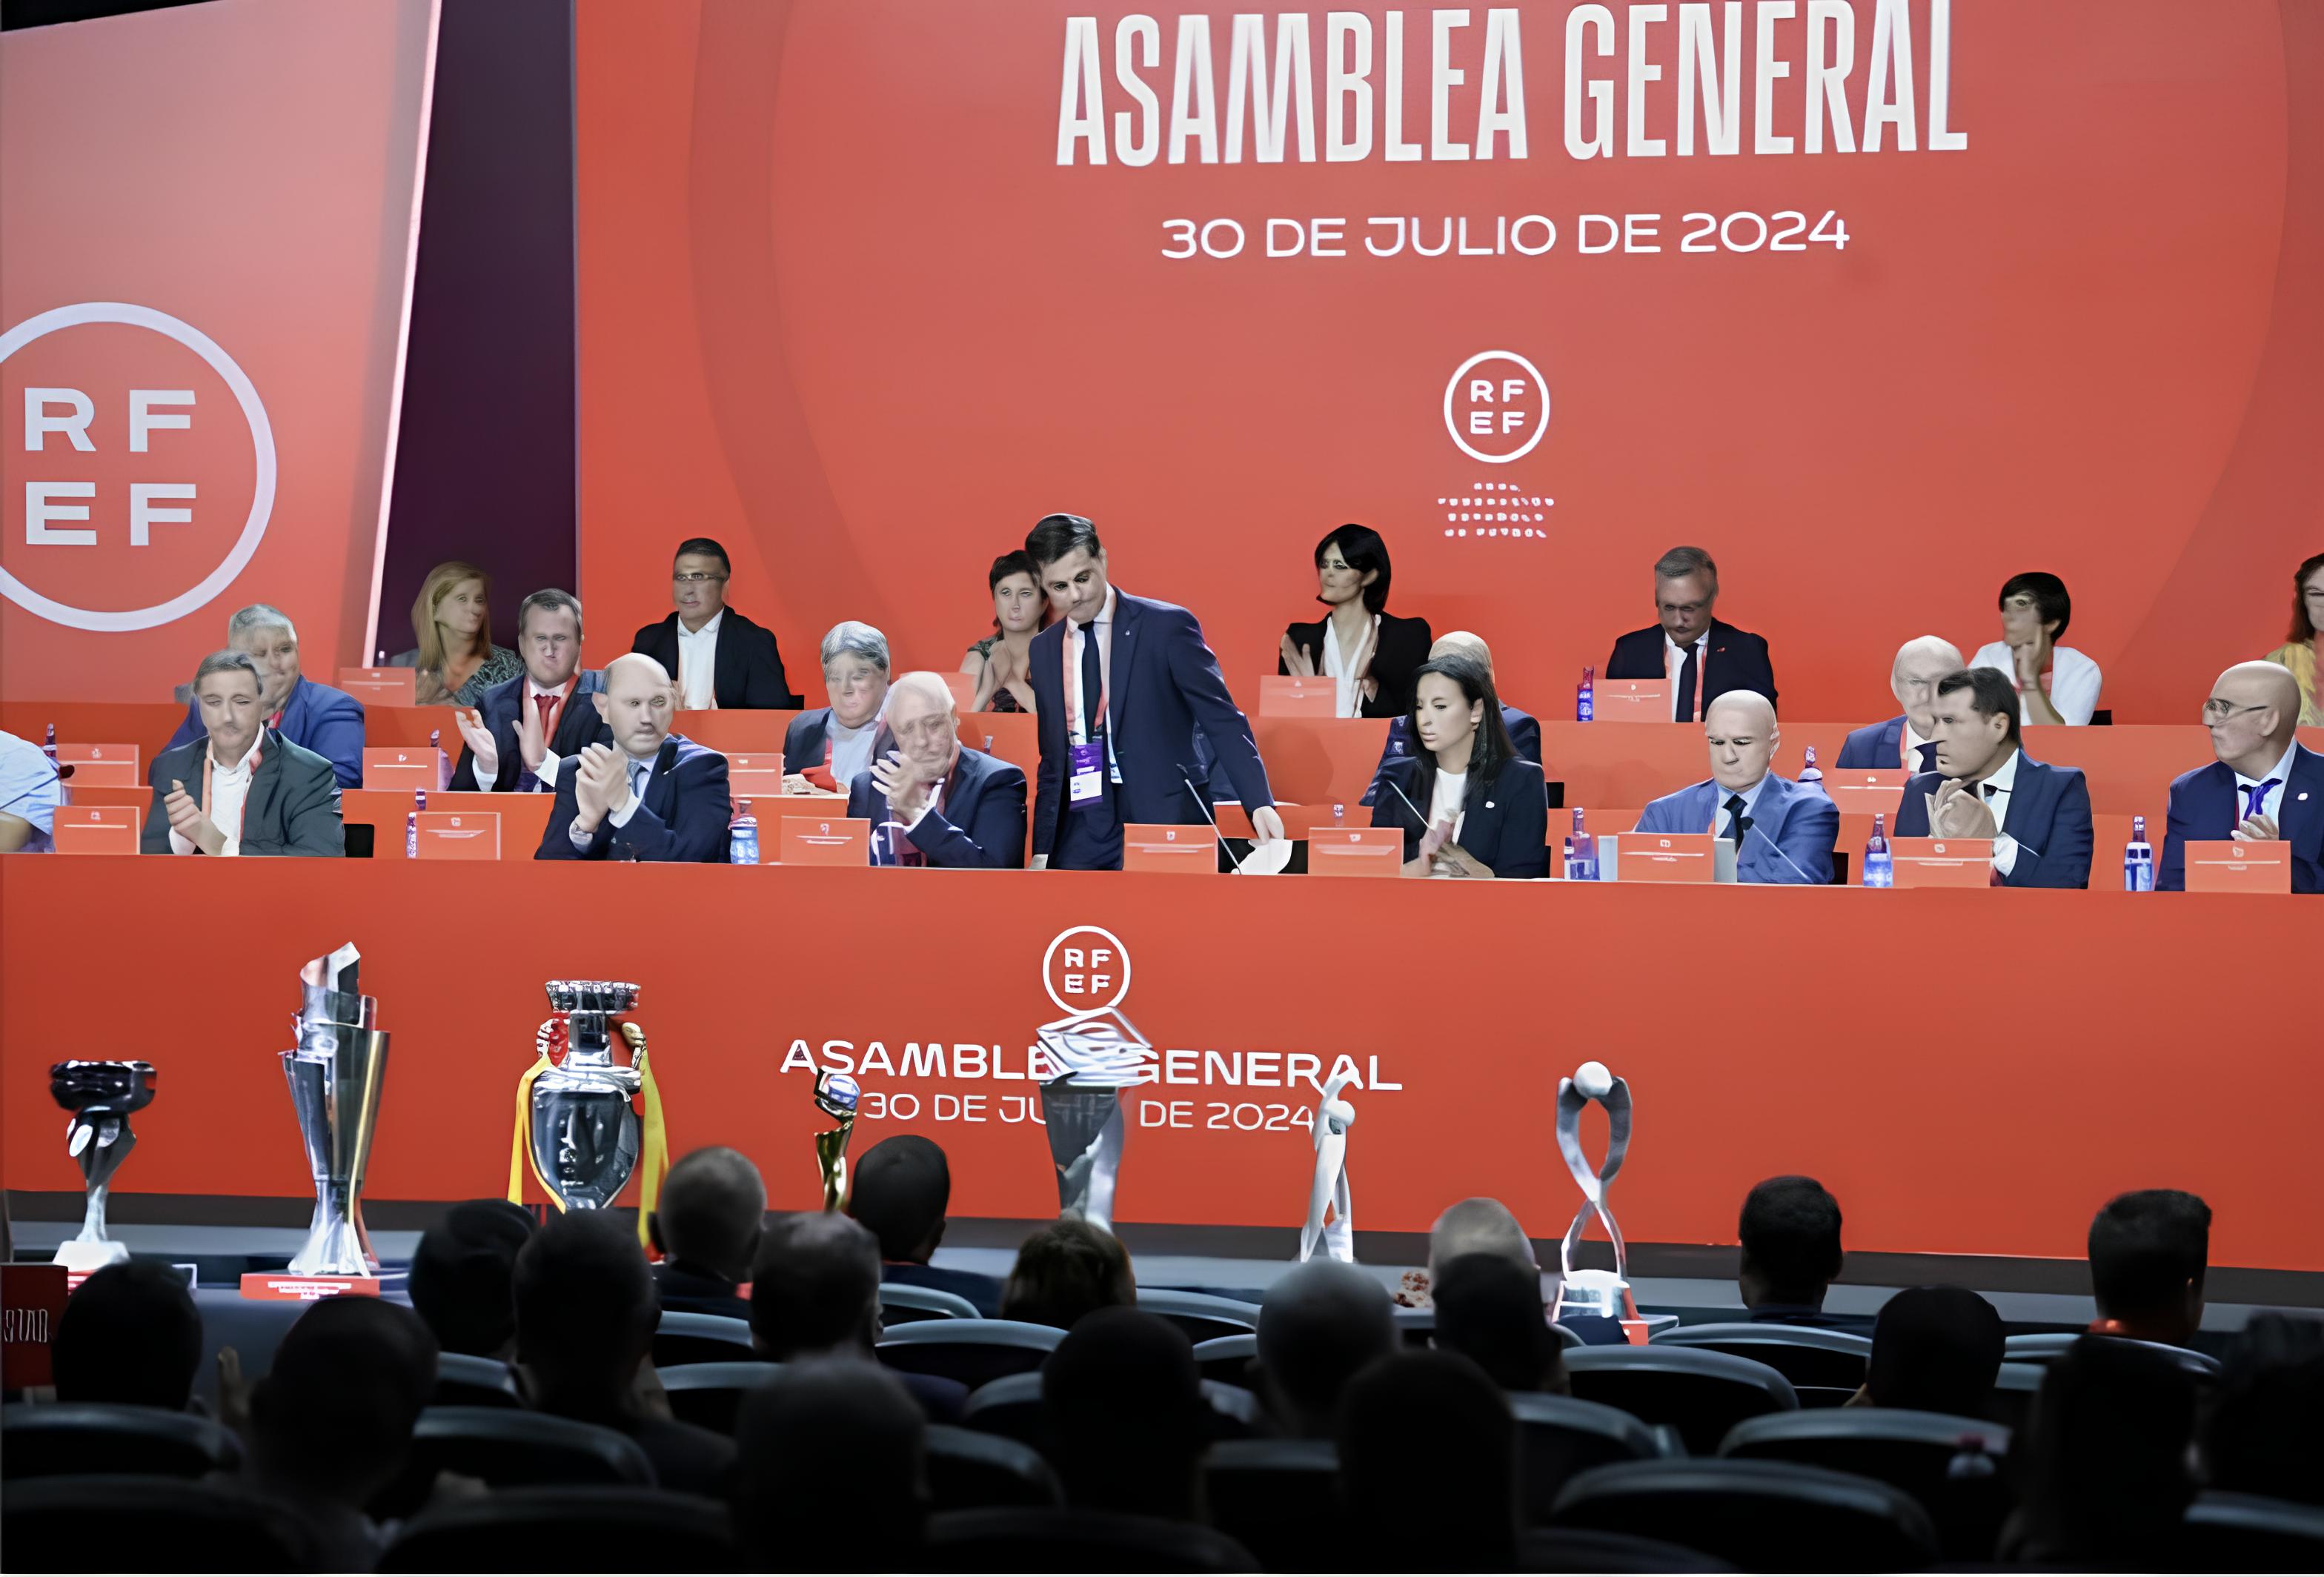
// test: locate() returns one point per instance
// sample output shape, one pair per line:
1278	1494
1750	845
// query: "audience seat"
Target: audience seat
1202	1315
1279	1499
1956	1468
968	1468
1417	1326
901	1304
2012	1394
146	1523
1762	1516
2043	1346
2251	1533
1010	1407
466	1381
1699	1393
48	1439
599	1527
1227	1359
1018	1539
507	1448
1825	1367
975	1353
1589	1549
1560	1436
710	1394
682	1337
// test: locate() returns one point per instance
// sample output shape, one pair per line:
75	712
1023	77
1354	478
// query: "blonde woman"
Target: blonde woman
2300	650
452	620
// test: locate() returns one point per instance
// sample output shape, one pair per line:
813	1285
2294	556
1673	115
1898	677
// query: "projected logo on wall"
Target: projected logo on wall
1496	407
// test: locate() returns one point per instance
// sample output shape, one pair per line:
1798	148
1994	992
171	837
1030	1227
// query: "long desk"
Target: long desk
1957	1098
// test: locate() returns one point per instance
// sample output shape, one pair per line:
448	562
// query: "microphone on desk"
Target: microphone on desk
1187	778
1787	859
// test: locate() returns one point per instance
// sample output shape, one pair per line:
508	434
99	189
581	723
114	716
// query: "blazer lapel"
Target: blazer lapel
726	669
1126	618
264	778
661	788
2032	779
2303	795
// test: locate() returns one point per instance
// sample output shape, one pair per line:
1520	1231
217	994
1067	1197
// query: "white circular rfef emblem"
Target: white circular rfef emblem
1086	970
1496	407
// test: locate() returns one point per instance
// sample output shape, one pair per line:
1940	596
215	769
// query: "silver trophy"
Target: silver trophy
584	1127
100	1095
334	1077
1605	1293
1327	1191
1099	1054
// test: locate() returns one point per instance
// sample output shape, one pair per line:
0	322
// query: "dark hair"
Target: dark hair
830	1472
1935	1349
1318	1327
1992	694
2048	595
463	1276
1362	547
2265	1434
130	1334
705	548
2303	628
1790	1231
553	600
1451	1504
1123	1403
2146	1248
711	1208
1489	1310
1493	748
1685	561
1053	537
335	1410
2103	1457
585	1305
816	1286
1067	1269
229	661
1019	562
903	1185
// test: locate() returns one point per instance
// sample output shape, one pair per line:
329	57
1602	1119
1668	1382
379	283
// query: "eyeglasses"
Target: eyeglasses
2220	711
697	578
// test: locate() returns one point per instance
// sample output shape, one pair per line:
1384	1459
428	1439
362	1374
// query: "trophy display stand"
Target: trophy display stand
101	1096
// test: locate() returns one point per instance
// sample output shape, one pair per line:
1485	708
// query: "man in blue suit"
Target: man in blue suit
932	800
649	795
1984	786
1524	733
528	727
2265	785
1702	656
312	716
1783	831
1125	688
1903	740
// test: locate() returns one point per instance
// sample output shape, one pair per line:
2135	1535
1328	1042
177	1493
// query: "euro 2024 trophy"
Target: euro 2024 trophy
583	1120
100	1095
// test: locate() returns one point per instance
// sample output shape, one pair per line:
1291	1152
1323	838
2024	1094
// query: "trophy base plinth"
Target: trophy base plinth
1606	1295
282	1287
80	1256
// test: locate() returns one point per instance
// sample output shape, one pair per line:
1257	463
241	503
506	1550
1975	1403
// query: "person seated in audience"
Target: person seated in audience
2101	1464
1478	1226
1428	1467
2264	785
585	1313
1525	729
1318	1326
2148	1251
932	800
452	621
814	1295
1934	1350
520	732
239	787
1002	663
1986	786
31	792
1783	831
1703	657
651	793
720	659
902	1188
2301	647
1489	1310
1486	812
2265	1432
1123	1403
705	1225
1790	1233
1067	1270
313	717
462	1277
1903	740
1371	654
129	1335
831	1473
2054	684
826	749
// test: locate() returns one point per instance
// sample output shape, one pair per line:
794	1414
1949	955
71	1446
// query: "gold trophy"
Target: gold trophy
836	1094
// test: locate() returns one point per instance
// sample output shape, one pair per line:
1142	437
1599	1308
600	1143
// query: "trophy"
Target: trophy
836	1094
334	1077
1100	1055
584	1122
1329	1191
1606	1292
100	1095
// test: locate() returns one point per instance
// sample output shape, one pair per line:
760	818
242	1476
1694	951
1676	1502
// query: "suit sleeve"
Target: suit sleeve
995	839
1527	737
2065	862
1622	664
464	775
1049	718
643	641
699	834
1809	834
338	738
795	745
1658	816
766	686
1388	809
153	838
187	731
311	818
1524	853
557	838
1197	672
1393	664
1913	809
2171	872
1766	675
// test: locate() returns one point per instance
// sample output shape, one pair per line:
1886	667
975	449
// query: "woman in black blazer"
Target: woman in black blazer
1373	652
1470	806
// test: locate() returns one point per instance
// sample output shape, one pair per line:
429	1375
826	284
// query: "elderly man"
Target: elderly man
2265	784
239	787
1782	831
1524	733
315	717
1984	786
932	800
1702	657
651	793
720	659
826	749
528	727
1903	740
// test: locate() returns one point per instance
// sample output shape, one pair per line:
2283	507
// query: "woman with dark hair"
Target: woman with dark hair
1369	652
1486	812
2055	684
1000	661
2303	647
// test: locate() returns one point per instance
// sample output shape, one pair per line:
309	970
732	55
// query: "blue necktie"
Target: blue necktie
2259	792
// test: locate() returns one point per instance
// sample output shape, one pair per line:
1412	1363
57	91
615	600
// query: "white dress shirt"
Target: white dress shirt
2271	805
697	664
1997	790
1349	700
229	792
28	789
2074	679
550	760
1081	707
1449	799
1909	748
641	773
1674	660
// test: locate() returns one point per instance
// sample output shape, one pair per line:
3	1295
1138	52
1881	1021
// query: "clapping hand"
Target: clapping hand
1439	833
900	783
1298	660
187	820
600	786
1956	810
481	744
1365	651
2256	829
531	735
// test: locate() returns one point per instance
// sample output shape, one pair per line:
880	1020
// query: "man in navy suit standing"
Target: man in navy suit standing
1126	690
1903	740
2264	785
312	716
528	727
1702	657
649	795
932	800
1986	786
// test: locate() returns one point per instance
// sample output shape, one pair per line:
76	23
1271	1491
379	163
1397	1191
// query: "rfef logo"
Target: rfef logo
1086	970
1496	407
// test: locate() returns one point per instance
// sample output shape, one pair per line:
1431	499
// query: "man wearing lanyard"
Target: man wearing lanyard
528	727
240	788
932	800
1128	696
1700	657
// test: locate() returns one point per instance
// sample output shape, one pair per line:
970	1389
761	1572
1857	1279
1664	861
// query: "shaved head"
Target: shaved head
1478	1226
1462	644
638	670
2253	713
638	702
2260	684
1744	709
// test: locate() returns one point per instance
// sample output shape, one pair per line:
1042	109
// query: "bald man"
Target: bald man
932	800
1903	740
1318	1327
2265	784
1524	733
649	795
1782	831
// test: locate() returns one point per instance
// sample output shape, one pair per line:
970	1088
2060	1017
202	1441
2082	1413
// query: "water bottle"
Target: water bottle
1585	697
50	748
1338	814
411	824
2138	859
742	837
1810	772
1580	853
436	748
1879	870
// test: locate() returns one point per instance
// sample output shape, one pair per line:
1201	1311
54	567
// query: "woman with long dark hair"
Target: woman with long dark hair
1470	806
1001	662
1368	650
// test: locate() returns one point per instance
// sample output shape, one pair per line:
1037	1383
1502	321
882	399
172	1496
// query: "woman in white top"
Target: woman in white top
1369	652
1469	805
2055	684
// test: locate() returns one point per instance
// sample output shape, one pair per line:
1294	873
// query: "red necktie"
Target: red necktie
548	704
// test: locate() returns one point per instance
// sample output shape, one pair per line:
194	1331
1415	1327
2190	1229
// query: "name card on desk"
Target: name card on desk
100	766
818	840
1668	857
1864	790
405	767
1355	851
2224	865
1168	846
1942	862
459	834
97	829
754	777
1298	695
381	687
1632	700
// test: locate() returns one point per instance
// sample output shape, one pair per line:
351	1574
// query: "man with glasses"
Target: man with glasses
647	793
1903	740
1701	657
523	730
2264	785
826	749
932	800
1984	786
720	657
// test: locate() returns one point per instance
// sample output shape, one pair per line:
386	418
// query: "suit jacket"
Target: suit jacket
1403	647
2049	816
1734	659
1881	744
1164	693
1792	825
2205	804
803	741
578	725
750	669
683	820
980	823
292	807
1525	733
317	717
1506	825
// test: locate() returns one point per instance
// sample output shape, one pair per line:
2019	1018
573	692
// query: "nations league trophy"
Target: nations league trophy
836	1096
100	1095
583	1120
1098	1055
1593	1292
334	1077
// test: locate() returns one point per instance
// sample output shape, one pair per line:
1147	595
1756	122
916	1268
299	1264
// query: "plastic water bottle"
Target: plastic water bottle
1338	813
1809	772
1585	697
1879	870
2138	859
1580	853
411	824
742	837
49	749
436	748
